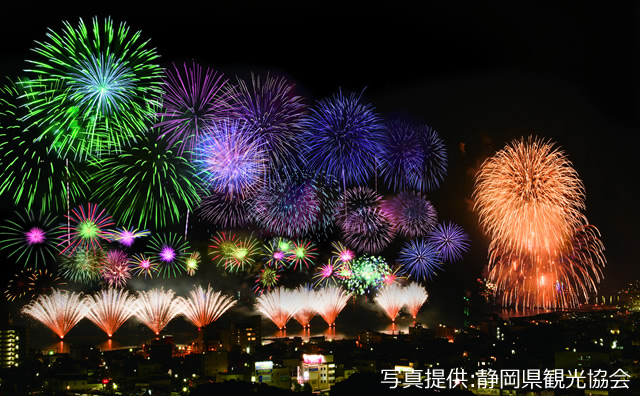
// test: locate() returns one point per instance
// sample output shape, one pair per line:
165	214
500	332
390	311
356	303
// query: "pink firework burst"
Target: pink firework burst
115	268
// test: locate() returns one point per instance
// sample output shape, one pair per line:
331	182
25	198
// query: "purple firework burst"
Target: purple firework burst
193	99
420	259
273	113
366	225
225	211
451	241
412	213
342	138
288	205
170	252
412	157
230	160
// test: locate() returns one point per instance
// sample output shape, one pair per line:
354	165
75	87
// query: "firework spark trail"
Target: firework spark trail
156	308
415	296
543	252
330	302
391	298
202	306
279	305
307	310
110	308
59	311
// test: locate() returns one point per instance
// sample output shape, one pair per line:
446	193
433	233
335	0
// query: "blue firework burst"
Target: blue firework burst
412	213
450	239
420	259
342	137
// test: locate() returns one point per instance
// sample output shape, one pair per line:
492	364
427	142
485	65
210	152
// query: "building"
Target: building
13	345
319	371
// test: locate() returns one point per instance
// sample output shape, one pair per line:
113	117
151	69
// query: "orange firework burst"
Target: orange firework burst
60	310
202	306
543	252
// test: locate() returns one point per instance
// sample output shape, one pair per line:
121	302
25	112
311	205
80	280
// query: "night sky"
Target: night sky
482	75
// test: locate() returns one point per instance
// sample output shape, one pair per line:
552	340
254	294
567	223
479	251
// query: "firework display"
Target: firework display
120	175
193	99
391	298
30	239
93	86
278	305
330	302
415	295
543	252
110	308
59	311
202	306
156	308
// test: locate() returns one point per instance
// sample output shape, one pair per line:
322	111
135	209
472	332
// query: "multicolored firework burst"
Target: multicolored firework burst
243	253
169	250
327	274
530	200
85	229
301	253
415	295
341	253
391	298
307	310
143	265
193	99
365	223
115	268
230	160
59	311
266	279
82	266
450	240
276	250
203	307
30	239
110	308
412	213
330	301
365	274
279	305
94	87
221	248
31	176
146	184
274	114
126	237
342	137
192	263
156	308
420	259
